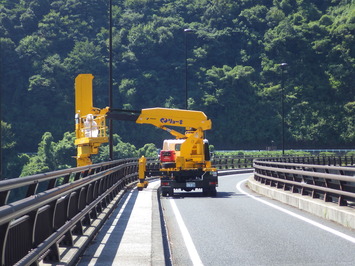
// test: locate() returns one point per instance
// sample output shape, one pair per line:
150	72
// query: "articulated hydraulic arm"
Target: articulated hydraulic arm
161	117
195	123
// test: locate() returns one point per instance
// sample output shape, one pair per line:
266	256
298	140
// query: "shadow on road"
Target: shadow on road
199	194
103	249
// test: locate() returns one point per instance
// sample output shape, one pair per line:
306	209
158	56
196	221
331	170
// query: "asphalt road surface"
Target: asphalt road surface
239	227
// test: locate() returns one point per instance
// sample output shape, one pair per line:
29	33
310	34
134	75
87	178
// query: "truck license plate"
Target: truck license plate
190	184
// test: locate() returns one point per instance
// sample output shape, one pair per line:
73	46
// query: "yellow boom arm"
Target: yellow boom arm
162	117
192	153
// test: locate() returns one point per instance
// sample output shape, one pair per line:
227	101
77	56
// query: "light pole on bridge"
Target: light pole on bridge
283	66
110	91
186	31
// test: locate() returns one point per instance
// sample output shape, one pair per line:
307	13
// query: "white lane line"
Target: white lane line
323	227
186	235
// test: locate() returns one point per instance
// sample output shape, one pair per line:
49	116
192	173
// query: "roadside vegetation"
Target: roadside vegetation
233	55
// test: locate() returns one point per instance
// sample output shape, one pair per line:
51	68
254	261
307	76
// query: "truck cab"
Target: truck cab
170	151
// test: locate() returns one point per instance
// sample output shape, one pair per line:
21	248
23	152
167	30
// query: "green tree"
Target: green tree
65	151
233	59
148	150
51	155
44	160
11	162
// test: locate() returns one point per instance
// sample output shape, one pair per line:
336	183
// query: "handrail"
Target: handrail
22	207
55	178
22	181
305	167
35	253
333	184
236	162
45	220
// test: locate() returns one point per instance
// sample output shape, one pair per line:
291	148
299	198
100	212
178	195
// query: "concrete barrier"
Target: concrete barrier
327	210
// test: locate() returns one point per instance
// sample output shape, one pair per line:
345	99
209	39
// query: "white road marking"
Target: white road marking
323	227
186	235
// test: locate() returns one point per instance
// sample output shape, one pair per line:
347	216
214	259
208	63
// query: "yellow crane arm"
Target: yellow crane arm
173	132
162	117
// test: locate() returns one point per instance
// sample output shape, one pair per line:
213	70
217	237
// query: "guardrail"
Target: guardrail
235	162
44	214
317	160
330	183
53	209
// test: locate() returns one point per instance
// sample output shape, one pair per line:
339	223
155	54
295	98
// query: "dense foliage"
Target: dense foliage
234	73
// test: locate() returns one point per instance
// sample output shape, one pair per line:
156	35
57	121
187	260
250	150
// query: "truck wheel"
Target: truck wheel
209	192
168	165
213	192
205	191
167	191
164	192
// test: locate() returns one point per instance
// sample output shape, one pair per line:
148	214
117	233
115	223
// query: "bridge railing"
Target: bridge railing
318	160
232	162
237	162
49	209
41	213
329	180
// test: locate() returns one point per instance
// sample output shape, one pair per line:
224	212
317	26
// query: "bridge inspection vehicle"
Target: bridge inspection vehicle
185	161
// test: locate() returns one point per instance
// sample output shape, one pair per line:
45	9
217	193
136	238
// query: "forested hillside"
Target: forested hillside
234	75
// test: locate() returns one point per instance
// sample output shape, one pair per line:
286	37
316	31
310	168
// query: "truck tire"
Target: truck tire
168	165
167	192
213	192
210	191
205	191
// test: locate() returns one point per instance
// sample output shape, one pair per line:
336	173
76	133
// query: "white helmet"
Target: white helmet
89	117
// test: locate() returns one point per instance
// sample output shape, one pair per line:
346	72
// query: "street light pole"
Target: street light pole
283	66
110	92
186	31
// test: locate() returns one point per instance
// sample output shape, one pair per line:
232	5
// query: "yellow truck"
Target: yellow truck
185	161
